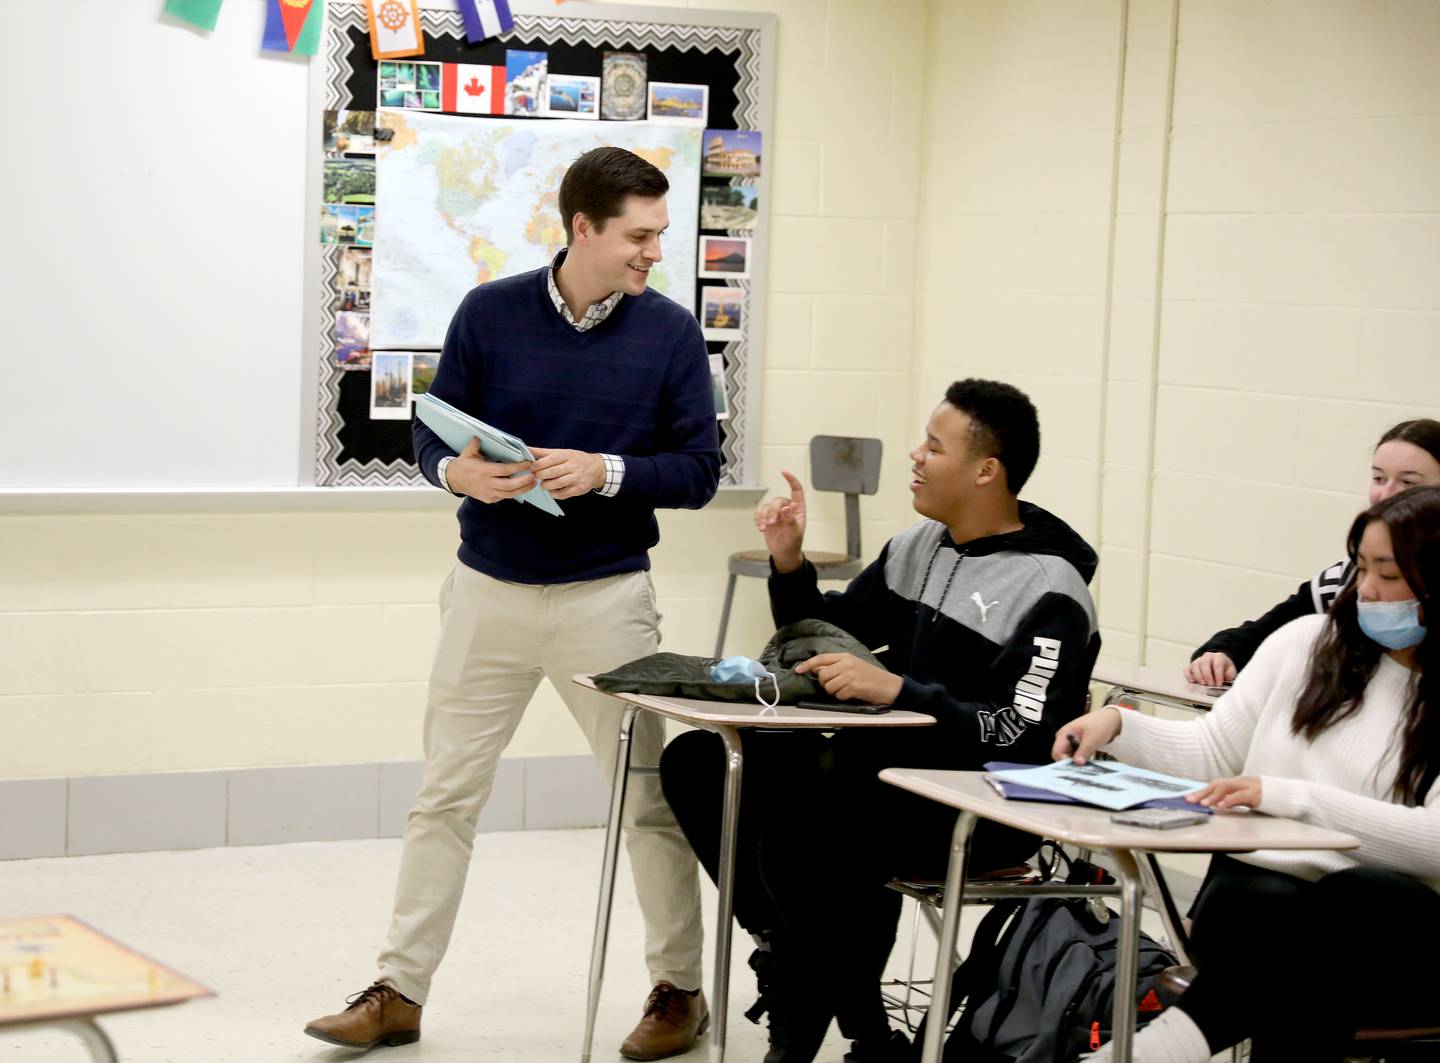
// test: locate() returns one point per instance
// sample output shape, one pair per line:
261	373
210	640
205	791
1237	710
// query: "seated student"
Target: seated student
1407	456
981	616
1335	722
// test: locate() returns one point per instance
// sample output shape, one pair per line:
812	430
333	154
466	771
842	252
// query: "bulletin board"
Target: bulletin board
731	53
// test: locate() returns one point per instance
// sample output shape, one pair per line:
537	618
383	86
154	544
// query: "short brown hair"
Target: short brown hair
598	182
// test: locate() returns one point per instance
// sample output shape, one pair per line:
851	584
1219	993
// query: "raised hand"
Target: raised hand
782	522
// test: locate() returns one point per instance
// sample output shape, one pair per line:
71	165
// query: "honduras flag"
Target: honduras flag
486	18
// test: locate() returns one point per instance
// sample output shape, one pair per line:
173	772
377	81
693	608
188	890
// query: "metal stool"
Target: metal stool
837	463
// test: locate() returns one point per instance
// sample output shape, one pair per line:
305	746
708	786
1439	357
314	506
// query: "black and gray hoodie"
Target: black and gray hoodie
994	638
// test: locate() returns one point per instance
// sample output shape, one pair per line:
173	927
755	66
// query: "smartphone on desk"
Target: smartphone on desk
1158	818
843	706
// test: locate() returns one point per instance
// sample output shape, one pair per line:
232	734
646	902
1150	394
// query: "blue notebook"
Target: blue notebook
456	428
1014	791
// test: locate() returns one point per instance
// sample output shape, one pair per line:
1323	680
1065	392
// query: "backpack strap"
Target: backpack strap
975	977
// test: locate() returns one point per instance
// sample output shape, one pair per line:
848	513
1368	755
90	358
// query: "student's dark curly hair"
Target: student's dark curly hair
1345	659
1003	424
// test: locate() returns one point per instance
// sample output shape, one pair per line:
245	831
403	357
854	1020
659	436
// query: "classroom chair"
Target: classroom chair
837	463
909	998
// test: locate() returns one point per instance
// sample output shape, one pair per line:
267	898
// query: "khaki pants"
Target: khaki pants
497	640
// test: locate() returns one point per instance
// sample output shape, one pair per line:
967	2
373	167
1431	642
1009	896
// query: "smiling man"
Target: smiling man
613	379
981	617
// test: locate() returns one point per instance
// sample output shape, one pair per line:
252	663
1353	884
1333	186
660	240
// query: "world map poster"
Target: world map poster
461	201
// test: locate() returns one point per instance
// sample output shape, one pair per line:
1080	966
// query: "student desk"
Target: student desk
1088	828
56	971
726	719
1159	686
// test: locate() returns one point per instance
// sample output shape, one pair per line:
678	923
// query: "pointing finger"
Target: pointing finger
797	492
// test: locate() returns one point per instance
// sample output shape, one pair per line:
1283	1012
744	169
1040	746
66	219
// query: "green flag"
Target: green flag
202	13
308	43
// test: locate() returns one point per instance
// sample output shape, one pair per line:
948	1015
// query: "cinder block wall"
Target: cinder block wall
1215	336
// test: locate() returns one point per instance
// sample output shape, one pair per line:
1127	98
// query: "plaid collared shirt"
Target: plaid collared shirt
594	314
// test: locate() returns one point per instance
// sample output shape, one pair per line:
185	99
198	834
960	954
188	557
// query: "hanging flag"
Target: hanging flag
469	89
394	28
202	13
308	43
486	18
293	26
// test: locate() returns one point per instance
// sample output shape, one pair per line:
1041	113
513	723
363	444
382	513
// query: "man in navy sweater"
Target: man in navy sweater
613	379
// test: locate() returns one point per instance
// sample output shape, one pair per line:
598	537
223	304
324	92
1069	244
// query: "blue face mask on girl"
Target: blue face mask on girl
1395	625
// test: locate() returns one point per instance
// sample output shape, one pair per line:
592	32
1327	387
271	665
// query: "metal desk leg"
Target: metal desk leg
1153	880
1126	953
101	1050
724	916
938	1015
613	831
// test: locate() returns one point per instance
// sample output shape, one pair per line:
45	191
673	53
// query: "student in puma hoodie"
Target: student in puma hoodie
982	619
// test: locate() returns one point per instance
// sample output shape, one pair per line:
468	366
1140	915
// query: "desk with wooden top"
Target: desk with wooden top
726	719
1088	828
1157	685
57	971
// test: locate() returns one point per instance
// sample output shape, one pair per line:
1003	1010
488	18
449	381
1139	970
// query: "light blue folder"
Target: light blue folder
457	428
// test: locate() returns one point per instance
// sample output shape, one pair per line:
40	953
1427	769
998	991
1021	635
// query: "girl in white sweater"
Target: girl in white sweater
1336	721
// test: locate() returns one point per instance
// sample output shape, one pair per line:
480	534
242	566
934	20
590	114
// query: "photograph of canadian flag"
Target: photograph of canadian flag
469	89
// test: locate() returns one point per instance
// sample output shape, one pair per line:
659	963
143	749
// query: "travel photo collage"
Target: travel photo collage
730	166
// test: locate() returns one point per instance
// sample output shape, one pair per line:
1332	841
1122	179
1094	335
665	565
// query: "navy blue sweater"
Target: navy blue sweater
636	385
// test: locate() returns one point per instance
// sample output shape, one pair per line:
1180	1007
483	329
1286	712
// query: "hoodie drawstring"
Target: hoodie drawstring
944	593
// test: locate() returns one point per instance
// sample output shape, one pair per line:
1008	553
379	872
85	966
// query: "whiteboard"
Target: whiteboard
160	254
156	241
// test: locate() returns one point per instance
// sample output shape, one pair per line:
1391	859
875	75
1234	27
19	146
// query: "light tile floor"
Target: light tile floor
283	933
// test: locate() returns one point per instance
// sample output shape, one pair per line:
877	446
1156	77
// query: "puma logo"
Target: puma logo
980	604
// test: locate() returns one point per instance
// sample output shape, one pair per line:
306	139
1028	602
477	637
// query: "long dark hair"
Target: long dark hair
1344	658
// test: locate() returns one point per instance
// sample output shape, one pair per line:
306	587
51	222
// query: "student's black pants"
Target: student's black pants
819	837
1298	966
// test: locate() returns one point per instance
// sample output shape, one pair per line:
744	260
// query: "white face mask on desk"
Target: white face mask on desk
743	669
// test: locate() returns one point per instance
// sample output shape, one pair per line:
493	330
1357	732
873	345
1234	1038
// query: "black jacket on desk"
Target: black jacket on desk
995	638
1315	595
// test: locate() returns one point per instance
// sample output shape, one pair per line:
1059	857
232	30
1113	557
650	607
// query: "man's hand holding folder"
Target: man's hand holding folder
493	465
473	474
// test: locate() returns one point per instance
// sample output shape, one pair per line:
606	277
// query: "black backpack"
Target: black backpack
1038	984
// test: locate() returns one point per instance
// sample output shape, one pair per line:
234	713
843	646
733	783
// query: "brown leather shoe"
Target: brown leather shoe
672	1021
376	1016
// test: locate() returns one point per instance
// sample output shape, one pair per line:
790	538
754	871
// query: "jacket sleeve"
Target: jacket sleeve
1040	677
1240	643
459	358
684	472
858	609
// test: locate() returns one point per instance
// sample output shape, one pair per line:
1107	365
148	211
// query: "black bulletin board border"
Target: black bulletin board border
353	450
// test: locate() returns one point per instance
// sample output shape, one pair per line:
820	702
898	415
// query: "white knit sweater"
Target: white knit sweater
1341	780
